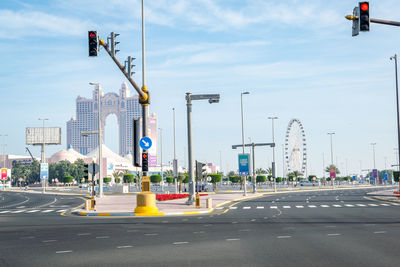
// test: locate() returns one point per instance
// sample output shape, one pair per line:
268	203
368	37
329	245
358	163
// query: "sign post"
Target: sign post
44	174
4	177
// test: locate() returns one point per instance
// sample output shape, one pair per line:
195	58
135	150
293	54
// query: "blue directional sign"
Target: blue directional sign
244	164
385	176
145	142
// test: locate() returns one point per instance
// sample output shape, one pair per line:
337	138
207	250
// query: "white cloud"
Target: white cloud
16	24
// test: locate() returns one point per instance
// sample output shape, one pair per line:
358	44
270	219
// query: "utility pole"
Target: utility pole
241	106
273	152
43	155
175	162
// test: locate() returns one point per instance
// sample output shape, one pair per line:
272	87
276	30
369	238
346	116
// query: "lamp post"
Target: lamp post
43	155
331	148
100	138
398	116
273	152
241	106
175	162
4	156
162	176
212	98
373	153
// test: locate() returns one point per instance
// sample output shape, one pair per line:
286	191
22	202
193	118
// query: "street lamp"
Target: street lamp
162	176
241	106
397	109
212	98
373	153
175	162
273	152
99	132
4	156
331	148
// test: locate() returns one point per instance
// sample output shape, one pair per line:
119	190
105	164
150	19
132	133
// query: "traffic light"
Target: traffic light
86	171
113	43
93	46
364	16
135	140
145	162
129	66
200	170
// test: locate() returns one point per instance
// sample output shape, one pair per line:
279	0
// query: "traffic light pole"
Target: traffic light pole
386	22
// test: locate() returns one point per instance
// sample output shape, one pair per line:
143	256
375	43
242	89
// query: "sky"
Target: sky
297	59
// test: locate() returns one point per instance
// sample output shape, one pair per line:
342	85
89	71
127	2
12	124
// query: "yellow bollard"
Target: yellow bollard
146	204
197	201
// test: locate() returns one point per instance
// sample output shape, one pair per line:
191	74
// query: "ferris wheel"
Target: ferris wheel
295	147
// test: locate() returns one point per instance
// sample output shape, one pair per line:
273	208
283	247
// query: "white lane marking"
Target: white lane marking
324	206
151	234
246	208
61	210
199	232
253	220
232	208
299	206
337	206
167	221
207	225
283	236
179	243
395	204
373	205
32	211
360	205
384	204
4	211
63	251
333	234
102	237
20	207
349	205
244	230
233	239
260	207
286	207
273	207
312	206
48	241
234	222
124	246
380	232
46	211
27	237
18	211
84	234
219	208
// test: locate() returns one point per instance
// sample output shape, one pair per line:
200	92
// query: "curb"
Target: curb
132	214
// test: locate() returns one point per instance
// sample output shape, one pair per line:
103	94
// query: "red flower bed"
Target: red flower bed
163	197
396	192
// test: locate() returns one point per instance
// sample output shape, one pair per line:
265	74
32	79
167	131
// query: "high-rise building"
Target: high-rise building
124	106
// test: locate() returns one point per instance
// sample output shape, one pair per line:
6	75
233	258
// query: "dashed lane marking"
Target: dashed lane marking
384	204
349	205
232	239
333	234
46	211
18	211
48	241
283	236
324	206
246	208
312	206
300	206
63	251
232	208
337	206
260	207
124	246
4	211
180	243
32	211
373	205
273	207
61	210
380	232
361	205
286	207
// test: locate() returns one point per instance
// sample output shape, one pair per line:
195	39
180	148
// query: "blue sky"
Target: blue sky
297	59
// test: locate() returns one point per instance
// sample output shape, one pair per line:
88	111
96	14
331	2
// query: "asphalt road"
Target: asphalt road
328	228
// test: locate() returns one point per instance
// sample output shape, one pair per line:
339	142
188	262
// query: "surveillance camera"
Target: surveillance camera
213	100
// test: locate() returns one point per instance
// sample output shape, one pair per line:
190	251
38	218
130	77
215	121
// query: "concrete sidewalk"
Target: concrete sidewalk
125	205
386	195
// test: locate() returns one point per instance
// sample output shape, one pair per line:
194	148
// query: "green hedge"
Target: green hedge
215	178
128	178
169	179
107	179
261	179
117	180
68	179
155	178
234	179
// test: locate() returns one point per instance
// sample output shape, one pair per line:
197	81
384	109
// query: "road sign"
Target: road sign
244	164
93	168
385	176
4	174
44	171
375	173
332	172
145	142
145	162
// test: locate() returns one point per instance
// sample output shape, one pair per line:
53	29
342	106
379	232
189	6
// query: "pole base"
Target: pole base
146	204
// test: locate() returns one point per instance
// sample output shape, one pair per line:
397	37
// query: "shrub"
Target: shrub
169	179
107	179
278	179
234	179
68	179
261	179
186	180
155	178
128	178
215	178
117	180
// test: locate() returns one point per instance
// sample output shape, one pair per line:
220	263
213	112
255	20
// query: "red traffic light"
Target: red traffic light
92	34
364	6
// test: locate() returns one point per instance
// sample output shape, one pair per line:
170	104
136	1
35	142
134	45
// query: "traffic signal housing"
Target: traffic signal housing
86	171
136	139
93	43
364	16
